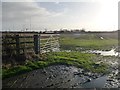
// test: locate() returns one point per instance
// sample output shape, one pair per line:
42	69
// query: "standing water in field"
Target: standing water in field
112	52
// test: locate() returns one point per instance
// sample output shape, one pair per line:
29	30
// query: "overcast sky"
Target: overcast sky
91	15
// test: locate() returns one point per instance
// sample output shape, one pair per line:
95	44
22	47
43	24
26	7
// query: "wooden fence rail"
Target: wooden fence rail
18	42
22	42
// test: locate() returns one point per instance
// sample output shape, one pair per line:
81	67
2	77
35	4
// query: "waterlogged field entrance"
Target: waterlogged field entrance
63	61
76	45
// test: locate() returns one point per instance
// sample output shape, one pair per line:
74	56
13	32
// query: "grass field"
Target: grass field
78	59
82	60
87	41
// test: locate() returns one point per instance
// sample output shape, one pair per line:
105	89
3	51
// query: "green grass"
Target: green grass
70	42
82	60
87	42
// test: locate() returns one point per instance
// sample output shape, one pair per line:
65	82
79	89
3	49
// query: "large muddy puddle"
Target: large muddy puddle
57	76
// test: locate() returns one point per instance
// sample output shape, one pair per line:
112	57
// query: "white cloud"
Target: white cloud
0	16
18	0
21	10
17	15
20	13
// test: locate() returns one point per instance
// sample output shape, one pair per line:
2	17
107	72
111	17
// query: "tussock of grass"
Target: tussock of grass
15	71
82	60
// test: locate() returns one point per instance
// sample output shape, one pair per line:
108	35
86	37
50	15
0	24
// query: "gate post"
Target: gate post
37	44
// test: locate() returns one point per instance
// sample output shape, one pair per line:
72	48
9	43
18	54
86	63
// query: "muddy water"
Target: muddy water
56	76
112	52
62	76
99	83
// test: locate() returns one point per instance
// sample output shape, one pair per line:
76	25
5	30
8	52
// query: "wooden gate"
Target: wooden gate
22	42
49	43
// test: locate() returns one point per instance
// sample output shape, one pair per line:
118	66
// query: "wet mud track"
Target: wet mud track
50	77
55	76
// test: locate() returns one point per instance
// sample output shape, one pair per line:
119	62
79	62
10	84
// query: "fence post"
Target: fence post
37	44
17	45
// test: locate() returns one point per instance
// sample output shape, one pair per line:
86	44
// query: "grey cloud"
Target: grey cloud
14	12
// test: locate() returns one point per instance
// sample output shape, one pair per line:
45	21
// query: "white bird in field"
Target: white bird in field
101	38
